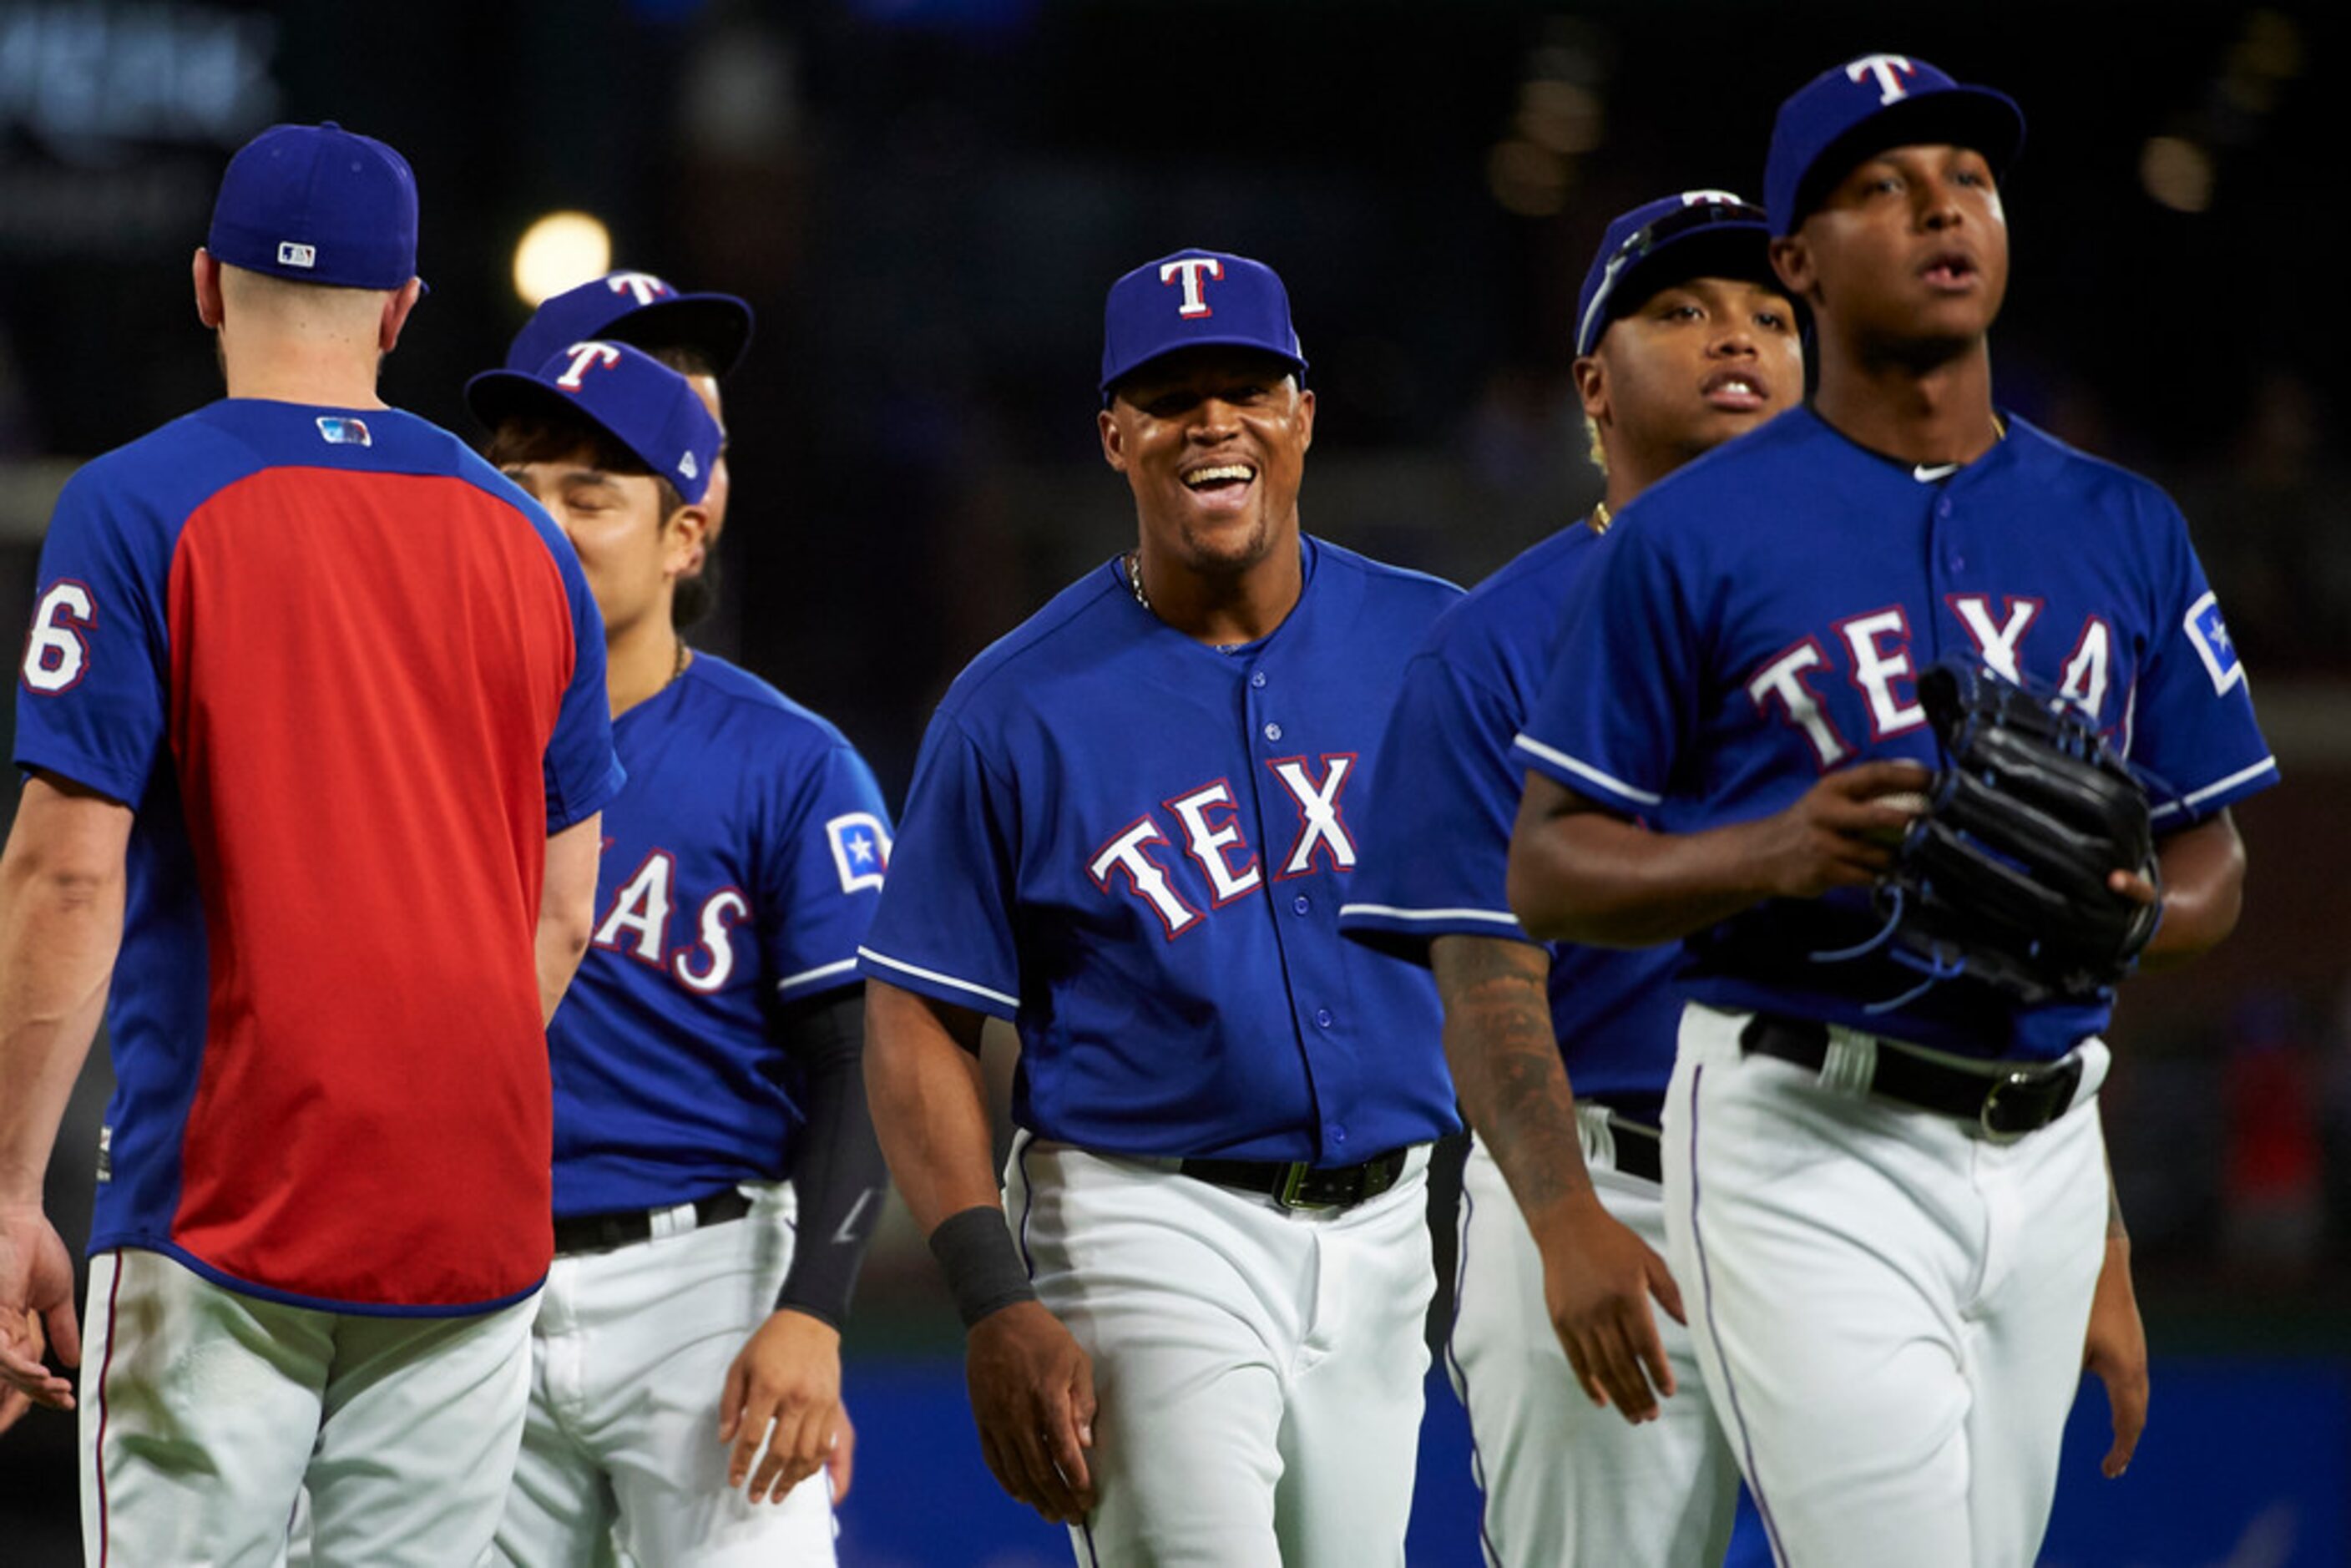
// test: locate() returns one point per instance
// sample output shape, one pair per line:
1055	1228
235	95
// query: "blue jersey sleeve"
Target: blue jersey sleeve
91	702
822	867
945	926
1620	703
582	772
2193	719
1437	840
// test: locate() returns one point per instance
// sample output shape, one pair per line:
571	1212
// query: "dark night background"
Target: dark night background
925	201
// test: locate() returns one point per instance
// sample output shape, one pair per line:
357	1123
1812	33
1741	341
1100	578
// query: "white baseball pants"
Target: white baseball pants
629	1352
1888	1306
1258	1369
1566	1484
205	1412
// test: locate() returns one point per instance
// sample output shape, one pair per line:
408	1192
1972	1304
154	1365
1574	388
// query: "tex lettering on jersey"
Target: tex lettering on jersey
1762	616
1135	848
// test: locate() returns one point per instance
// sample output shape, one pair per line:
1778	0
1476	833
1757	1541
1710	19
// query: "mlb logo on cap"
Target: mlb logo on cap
1867	105
1196	299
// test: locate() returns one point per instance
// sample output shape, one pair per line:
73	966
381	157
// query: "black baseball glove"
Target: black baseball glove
2004	876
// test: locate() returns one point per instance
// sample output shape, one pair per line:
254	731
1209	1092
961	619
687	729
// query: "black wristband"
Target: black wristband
983	1269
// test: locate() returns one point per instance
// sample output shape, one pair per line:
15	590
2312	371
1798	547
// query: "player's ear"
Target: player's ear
395	314
1305	419
1591	375
206	274
1792	259
685	536
1113	439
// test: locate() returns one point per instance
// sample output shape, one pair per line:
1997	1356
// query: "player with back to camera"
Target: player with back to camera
1684	339
710	1047
1196	1312
346	871
1882	1197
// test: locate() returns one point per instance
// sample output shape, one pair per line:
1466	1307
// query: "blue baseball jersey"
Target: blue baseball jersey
350	680
742	863
1135	846
1436	832
1760	617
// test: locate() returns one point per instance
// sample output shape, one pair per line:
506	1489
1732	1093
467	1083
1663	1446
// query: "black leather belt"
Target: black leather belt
1640	1148
603	1232
1297	1185
2005	1101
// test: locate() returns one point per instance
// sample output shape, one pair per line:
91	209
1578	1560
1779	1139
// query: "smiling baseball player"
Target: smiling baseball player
1883	1179
1685	339
1198	1340
710	1047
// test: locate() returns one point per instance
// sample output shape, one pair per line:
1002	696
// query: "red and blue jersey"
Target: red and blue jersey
1436	825
350	680
1760	617
1134	847
742	863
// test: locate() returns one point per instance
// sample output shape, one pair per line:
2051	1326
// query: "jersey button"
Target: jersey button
1943	508
1257	678
1301	904
1322	1017
1273	732
1336	1134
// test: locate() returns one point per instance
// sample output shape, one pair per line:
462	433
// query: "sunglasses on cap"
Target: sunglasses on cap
1636	246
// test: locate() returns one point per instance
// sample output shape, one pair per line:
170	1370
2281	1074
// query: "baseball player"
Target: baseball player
701	336
710	1047
1882	1197
312	715
1684	339
1196	1316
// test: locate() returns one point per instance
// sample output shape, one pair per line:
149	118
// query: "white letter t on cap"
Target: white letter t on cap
1192	267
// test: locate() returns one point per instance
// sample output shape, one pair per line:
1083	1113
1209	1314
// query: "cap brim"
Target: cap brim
1297	365
716	326
1974	117
1740	251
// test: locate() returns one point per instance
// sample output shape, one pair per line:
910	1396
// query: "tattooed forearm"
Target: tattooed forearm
1506	1064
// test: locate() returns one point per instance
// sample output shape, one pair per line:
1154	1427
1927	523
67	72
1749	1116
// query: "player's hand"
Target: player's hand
30	1341
788	1373
2115	1350
1032	1394
35	1279
1841	833
1598	1278
841	1463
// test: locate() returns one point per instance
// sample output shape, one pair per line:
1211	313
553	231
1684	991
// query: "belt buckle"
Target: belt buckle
1294	1180
2014	1078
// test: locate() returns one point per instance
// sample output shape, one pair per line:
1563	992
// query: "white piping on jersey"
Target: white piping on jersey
936	978
2266	765
1389	912
819	973
1586	771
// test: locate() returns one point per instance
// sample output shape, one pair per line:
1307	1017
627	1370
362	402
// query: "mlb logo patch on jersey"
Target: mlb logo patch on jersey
861	849
2213	644
292	252
342	431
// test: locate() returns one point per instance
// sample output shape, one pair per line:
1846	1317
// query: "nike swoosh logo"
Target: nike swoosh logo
1927	473
848	1231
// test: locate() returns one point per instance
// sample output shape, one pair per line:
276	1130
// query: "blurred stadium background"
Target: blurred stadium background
925	200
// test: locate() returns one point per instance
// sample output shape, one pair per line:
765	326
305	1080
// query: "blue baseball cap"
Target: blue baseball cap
1698	234
1869	104
622	391
1192	299
318	203
639	308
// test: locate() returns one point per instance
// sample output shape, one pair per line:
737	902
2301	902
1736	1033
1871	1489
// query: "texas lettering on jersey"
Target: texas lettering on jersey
637	923
1135	861
1872	651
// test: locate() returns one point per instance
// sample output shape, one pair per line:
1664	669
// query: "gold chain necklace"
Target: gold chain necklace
1133	562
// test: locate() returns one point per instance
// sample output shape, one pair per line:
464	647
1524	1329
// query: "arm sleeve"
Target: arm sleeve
945	926
92	689
837	1172
1437	834
1621	699
825	861
581	770
2191	721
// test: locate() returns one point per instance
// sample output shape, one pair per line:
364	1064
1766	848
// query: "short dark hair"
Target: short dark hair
542	439
685	360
